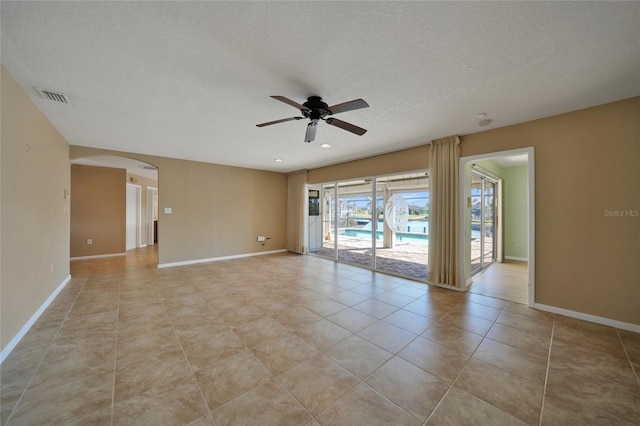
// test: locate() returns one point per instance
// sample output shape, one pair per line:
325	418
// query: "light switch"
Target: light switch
167	210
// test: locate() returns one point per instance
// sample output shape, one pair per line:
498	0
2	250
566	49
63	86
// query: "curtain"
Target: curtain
296	231
444	260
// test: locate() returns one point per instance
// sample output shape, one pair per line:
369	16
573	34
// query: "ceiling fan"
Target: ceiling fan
315	109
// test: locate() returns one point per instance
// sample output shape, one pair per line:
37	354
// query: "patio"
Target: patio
406	258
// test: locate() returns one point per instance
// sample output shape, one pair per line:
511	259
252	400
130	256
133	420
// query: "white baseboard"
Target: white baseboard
98	256
216	259
519	259
588	317
16	339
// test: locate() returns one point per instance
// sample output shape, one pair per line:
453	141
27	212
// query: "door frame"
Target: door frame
464	240
138	202
149	220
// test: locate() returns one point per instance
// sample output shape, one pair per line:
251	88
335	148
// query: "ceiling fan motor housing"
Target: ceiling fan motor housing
317	108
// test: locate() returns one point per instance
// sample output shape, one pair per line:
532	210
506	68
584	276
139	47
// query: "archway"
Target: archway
110	206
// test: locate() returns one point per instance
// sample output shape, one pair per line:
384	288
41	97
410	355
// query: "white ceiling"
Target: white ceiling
191	79
133	167
511	160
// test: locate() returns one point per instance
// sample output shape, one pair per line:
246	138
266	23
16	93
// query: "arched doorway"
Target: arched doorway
113	206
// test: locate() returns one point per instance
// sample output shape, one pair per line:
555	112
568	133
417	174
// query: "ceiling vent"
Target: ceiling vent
54	96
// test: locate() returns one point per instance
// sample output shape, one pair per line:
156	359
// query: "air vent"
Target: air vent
54	96
149	167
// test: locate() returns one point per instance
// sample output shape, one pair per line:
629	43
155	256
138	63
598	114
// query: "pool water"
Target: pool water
417	232
400	236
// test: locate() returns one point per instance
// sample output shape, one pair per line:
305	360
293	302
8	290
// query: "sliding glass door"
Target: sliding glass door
355	224
483	222
378	223
404	232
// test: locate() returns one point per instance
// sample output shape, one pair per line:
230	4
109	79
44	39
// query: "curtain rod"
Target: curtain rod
485	172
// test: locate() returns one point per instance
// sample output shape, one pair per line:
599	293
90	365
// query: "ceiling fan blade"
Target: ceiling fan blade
348	106
269	123
346	126
311	131
290	102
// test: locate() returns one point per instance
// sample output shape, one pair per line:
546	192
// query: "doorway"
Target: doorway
497	239
133	222
152	215
125	236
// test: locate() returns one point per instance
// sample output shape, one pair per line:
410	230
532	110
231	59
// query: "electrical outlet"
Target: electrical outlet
261	238
89	241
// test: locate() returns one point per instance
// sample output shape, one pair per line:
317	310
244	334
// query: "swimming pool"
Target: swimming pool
400	236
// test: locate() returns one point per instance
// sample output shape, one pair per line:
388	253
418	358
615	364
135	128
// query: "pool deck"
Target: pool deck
406	258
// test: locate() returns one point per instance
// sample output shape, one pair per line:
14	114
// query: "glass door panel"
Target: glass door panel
483	222
327	217
488	230
403	250
355	224
476	223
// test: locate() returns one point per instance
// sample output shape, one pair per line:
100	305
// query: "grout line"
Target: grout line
624	347
35	371
465	366
115	349
546	377
184	354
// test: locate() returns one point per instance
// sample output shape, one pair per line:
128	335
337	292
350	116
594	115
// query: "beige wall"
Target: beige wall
98	210
586	163
216	210
35	213
395	162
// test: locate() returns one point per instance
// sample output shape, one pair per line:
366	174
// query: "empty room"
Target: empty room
320	213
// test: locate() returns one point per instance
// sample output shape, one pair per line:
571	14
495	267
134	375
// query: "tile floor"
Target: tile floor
299	340
508	280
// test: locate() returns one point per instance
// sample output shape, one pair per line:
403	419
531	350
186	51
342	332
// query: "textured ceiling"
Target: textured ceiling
191	79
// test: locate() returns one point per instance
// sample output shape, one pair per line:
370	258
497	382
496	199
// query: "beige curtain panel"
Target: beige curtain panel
296	209
444	156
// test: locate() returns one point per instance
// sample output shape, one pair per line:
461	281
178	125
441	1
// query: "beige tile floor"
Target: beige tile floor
508	280
300	340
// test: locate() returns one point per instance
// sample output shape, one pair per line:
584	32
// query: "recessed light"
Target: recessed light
278	160
325	145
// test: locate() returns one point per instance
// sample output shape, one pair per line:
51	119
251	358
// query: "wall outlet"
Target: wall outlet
262	238
89	241
167	210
